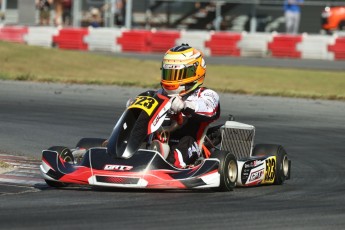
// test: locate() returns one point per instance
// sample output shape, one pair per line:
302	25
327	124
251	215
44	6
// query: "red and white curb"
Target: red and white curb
23	170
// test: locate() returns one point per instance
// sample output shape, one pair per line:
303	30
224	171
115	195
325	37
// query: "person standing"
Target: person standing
292	10
2	14
67	12
44	7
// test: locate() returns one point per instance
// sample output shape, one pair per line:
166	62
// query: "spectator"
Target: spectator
95	18
44	7
2	14
120	12
58	12
118	8
67	12
292	15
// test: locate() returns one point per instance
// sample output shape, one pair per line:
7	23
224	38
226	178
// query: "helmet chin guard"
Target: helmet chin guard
174	92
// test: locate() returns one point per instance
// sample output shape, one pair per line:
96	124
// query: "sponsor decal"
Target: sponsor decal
172	66
146	103
251	164
193	149
154	123
256	175
247	174
159	116
118	167
270	169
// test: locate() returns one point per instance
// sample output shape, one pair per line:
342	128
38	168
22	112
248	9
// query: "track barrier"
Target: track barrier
13	33
338	48
224	44
161	41
211	43
71	38
135	41
285	46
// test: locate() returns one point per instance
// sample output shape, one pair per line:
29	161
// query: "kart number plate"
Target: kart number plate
146	103
270	169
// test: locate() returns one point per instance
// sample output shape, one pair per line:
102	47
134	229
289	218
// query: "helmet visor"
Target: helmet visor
171	73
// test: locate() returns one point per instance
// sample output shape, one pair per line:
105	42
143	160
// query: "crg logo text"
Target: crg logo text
256	175
118	167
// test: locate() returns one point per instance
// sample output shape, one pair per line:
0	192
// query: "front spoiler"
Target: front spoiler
145	169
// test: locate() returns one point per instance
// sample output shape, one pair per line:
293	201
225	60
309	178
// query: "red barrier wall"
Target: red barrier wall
161	41
224	44
285	46
71	38
219	43
338	48
13	34
135	41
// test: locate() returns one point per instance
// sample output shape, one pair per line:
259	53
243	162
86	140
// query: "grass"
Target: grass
27	63
5	167
3	164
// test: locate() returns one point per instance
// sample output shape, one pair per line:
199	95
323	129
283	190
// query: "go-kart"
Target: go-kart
133	156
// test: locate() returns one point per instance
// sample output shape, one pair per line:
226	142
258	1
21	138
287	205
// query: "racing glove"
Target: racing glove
177	104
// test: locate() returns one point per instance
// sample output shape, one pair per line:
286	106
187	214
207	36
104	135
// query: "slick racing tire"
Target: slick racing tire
282	164
87	143
227	169
66	154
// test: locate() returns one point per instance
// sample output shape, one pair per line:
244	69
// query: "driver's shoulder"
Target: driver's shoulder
204	92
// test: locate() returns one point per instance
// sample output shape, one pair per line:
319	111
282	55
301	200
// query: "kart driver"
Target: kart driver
183	73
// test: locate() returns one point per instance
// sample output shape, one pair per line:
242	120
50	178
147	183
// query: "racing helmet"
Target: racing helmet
183	70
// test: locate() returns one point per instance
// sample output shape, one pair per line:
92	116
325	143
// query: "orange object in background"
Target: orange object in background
333	18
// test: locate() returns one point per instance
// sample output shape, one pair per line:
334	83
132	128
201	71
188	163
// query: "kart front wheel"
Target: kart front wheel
55	184
88	143
66	154
282	169
227	170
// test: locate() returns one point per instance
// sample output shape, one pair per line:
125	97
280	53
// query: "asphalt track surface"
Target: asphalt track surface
34	116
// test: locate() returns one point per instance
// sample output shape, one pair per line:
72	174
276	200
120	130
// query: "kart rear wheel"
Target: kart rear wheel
87	143
282	164
227	170
66	154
